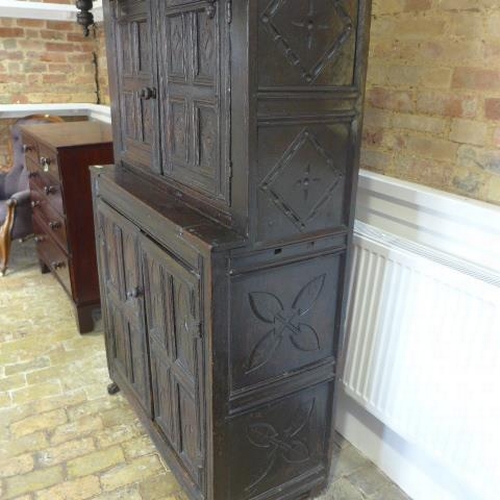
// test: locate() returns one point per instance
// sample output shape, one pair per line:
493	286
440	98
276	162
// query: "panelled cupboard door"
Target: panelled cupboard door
136	83
121	276
176	350
193	67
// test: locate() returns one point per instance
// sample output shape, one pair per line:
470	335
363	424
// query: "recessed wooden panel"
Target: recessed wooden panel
307	43
281	445
289	319
302	174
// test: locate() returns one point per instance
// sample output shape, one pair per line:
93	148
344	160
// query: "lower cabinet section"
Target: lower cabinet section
227	353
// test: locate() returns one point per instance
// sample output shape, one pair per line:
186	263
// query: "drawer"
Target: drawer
30	148
50	253
52	221
48	188
48	161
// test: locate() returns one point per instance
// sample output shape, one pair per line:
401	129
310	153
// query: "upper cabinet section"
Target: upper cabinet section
250	111
171	86
306	42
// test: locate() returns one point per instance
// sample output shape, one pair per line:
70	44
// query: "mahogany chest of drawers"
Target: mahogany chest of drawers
58	156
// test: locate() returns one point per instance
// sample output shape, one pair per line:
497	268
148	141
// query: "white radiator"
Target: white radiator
423	354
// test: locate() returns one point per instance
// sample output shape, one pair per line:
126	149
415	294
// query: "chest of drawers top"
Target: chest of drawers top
69	134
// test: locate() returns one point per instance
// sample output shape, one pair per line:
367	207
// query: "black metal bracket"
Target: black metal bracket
85	18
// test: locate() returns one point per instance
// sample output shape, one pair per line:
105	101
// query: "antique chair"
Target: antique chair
15	209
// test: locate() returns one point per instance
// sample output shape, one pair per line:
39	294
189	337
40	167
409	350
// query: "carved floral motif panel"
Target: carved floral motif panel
279	442
289	319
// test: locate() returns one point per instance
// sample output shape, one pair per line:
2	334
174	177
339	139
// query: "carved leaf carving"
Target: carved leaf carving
306	338
296	453
262	434
280	443
264	349
308	295
300	419
265	306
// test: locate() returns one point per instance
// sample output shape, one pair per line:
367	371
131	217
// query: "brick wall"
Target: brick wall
44	62
433	95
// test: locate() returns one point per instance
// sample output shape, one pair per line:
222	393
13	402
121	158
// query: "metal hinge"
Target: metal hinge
230	182
229	11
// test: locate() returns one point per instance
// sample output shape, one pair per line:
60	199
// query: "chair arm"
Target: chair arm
20	198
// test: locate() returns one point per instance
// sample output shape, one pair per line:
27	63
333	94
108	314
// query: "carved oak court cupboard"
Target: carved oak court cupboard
223	231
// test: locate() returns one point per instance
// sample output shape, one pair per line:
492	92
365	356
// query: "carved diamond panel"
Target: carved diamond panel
303	180
281	332
307	42
279	442
302	185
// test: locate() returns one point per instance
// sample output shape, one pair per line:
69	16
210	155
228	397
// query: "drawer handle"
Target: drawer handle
27	147
147	93
39	239
134	293
54	225
32	174
35	204
57	265
45	162
50	189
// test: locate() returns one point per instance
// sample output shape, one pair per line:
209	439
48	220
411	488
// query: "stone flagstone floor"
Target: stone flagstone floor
63	437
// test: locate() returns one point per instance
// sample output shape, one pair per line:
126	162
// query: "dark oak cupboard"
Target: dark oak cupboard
223	231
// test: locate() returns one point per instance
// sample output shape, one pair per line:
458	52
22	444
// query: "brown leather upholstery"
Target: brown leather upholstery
15	210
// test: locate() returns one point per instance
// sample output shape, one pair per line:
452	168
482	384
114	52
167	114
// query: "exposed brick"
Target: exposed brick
496	137
390	99
138	469
14	466
79	489
469	132
60	47
447	105
65	451
372	136
476	79
38	479
11	32
38	422
492	109
95	462
417	5
30	23
419	123
431	147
